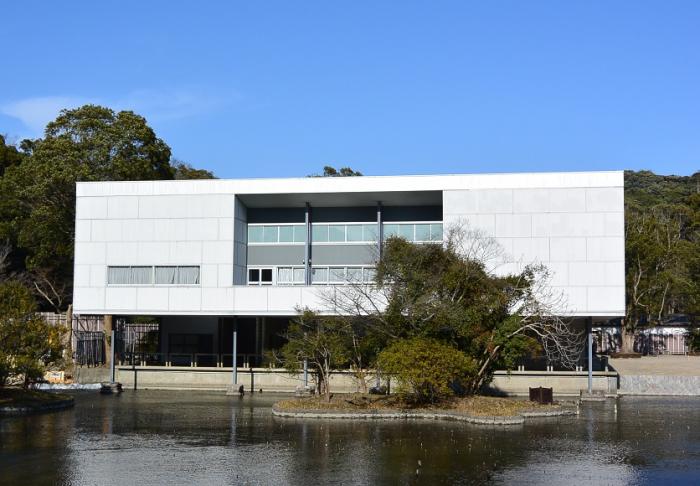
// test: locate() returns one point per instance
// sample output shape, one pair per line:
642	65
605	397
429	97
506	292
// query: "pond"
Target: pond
177	437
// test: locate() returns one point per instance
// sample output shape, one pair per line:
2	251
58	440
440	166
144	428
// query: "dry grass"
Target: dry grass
478	405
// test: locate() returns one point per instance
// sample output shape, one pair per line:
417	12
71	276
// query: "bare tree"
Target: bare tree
535	311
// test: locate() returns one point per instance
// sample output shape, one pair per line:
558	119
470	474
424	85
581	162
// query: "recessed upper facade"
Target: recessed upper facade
265	246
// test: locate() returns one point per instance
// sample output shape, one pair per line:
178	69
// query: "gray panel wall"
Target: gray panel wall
276	255
240	238
344	255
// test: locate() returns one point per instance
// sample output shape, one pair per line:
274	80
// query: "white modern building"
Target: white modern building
205	256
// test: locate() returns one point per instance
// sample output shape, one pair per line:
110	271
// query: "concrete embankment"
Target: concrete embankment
659	375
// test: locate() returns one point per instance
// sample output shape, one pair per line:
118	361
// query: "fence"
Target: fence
649	341
90	348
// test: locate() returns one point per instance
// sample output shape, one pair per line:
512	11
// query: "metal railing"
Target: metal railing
192	360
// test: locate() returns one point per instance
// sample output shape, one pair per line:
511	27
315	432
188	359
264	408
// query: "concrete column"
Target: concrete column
234	351
258	336
307	246
380	228
109	343
589	330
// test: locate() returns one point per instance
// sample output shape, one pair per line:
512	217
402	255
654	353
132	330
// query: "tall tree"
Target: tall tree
329	171
662	248
91	143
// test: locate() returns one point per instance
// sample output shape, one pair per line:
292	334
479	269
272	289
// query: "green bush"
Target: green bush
425	370
28	344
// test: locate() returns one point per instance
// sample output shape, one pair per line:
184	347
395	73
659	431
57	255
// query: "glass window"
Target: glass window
119	275
284	275
270	234
336	274
286	234
255	234
369	274
141	275
319	233
336	232
391	230
369	232
188	275
436	232
253	275
354	232
266	276
319	275
299	275
422	232
406	231
354	274
165	275
299	233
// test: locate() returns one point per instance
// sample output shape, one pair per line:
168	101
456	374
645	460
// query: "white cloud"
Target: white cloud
154	105
35	113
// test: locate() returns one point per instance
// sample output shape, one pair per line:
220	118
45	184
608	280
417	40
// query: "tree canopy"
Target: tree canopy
37	209
662	247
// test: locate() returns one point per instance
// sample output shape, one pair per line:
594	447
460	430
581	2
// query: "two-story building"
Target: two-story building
203	258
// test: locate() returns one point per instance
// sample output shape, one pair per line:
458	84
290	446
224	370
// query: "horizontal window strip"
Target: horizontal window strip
153	275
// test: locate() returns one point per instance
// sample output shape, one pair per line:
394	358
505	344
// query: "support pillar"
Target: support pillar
380	228
589	330
109	339
307	246
234	352
111	360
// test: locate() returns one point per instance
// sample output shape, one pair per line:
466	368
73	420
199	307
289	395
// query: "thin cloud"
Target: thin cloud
35	113
155	106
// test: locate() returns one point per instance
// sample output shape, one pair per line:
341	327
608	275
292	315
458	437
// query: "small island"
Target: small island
19	401
475	409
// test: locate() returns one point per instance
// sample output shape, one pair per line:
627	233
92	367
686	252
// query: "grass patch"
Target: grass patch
33	399
477	405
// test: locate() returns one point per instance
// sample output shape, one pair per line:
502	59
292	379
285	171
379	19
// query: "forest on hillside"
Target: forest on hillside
662	247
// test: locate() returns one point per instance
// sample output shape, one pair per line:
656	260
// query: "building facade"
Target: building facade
205	257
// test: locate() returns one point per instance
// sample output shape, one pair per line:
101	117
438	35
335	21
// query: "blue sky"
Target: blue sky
259	89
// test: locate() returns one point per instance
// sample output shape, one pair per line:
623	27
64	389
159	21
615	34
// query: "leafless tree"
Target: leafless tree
541	311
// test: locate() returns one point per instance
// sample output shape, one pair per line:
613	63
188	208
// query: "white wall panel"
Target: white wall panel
604	198
169	230
202	229
185	298
217	252
586	273
88	252
152	298
605	249
106	230
531	250
152	253
495	201
82	230
120	298
514	225
216	299
530	201
81	277
225	275
567	249
186	252
122	207
567	200
606	298
98	275
208	276
125	253
91	208
225	229
89	298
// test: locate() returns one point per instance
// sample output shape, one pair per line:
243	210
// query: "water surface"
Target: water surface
173	437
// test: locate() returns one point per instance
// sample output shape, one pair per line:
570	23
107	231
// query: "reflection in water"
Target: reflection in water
173	437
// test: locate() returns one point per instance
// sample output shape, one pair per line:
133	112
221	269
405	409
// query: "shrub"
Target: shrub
28	344
426	370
